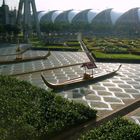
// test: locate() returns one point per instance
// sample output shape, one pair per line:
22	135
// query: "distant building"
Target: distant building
97	22
7	16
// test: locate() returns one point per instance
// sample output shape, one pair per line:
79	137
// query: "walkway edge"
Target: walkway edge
74	133
46	69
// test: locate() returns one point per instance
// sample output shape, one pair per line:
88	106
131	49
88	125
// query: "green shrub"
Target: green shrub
115	48
28	112
115	56
117	129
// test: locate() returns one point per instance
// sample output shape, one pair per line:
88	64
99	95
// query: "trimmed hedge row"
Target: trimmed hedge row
28	112
117	129
114	45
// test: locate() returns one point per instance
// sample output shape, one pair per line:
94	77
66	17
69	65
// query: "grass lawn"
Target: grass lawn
115	56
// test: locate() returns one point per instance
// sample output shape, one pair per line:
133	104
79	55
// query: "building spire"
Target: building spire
3	2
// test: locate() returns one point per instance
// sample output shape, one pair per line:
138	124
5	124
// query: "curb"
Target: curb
75	132
47	69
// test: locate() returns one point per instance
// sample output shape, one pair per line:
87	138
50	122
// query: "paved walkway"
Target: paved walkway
105	96
134	116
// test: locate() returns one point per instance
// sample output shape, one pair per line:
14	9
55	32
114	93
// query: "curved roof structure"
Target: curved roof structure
41	14
81	16
104	20
103	17
55	14
115	15
72	14
91	15
129	17
111	16
139	13
129	22
47	17
63	17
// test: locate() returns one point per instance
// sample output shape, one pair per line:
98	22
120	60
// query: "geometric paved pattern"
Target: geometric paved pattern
105	96
56	59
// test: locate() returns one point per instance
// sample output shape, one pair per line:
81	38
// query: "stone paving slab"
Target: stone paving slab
54	60
134	116
106	96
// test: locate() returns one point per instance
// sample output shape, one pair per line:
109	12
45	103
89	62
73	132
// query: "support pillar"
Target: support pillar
25	17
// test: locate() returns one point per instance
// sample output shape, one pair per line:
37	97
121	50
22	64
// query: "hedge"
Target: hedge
114	48
31	113
117	129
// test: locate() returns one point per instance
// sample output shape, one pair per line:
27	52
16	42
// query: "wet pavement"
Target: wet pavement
106	96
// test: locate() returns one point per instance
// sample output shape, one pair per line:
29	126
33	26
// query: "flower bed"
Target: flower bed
29	112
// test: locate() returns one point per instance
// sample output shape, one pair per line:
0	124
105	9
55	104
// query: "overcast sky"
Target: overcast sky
79	4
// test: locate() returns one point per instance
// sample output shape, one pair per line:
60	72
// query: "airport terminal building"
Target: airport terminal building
90	21
100	22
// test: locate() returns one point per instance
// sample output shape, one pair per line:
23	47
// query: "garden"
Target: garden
56	44
103	48
31	113
28	112
114	48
